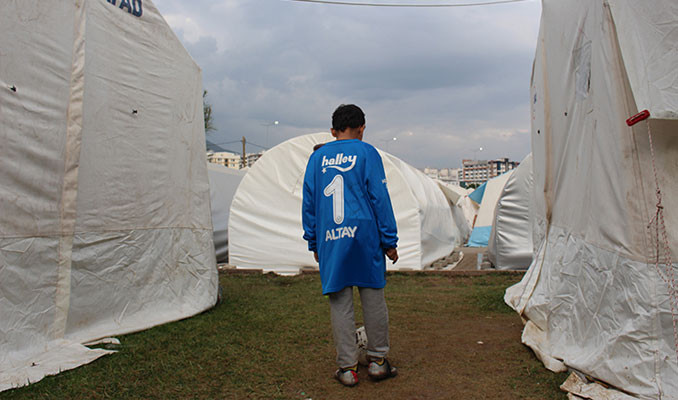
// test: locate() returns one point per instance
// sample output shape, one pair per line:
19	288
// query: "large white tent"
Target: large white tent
491	190
510	243
265	225
223	185
104	200
600	295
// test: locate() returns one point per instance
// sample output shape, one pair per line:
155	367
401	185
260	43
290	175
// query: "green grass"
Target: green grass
271	339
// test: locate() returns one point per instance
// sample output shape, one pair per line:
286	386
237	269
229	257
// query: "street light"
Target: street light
475	152
387	141
268	126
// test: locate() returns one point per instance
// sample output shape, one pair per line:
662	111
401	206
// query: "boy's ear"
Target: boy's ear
334	133
361	130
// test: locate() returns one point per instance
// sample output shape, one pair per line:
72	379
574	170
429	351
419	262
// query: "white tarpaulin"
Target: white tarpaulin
510	244
480	235
223	184
104	200
593	297
464	210
265	228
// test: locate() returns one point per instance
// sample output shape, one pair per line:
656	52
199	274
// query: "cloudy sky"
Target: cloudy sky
442	81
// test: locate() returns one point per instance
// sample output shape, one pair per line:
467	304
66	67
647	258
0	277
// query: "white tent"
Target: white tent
223	185
480	235
510	243
104	201
464	209
594	299
265	226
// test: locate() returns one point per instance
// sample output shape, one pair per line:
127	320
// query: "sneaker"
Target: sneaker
347	376
380	368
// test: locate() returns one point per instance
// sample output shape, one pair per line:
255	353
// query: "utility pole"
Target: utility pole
244	159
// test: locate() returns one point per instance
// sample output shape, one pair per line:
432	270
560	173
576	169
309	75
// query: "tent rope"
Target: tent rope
660	228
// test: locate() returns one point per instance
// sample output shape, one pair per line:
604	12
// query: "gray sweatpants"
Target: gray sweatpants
375	316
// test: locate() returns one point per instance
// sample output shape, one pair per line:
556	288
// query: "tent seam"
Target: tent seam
69	189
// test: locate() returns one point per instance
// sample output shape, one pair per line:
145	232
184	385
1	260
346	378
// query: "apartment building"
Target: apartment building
232	160
479	171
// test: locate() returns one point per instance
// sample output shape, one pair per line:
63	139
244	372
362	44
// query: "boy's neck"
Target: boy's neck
341	136
349	133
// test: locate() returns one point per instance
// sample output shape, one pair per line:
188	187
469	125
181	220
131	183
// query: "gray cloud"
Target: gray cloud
442	81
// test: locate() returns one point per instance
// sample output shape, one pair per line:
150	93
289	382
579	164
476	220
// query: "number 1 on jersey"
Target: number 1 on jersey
336	190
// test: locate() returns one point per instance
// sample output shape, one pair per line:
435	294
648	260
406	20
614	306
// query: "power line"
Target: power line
351	3
240	141
256	145
232	141
229	151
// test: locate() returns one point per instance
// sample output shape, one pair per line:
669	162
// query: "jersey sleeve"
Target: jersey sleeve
381	201
308	217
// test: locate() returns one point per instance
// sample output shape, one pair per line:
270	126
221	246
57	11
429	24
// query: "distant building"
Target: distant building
232	160
218	155
450	175
251	158
431	172
225	158
447	175
479	171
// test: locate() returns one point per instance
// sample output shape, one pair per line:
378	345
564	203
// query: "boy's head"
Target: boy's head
348	122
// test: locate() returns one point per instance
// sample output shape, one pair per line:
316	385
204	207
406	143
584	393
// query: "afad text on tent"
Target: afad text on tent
131	6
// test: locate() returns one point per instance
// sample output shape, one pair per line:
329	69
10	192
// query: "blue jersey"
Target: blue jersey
347	215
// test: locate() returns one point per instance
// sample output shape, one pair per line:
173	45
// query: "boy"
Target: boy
349	226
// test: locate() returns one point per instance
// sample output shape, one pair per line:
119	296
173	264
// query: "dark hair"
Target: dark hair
347	116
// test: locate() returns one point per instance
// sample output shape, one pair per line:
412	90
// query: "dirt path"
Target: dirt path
469	262
447	363
443	352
